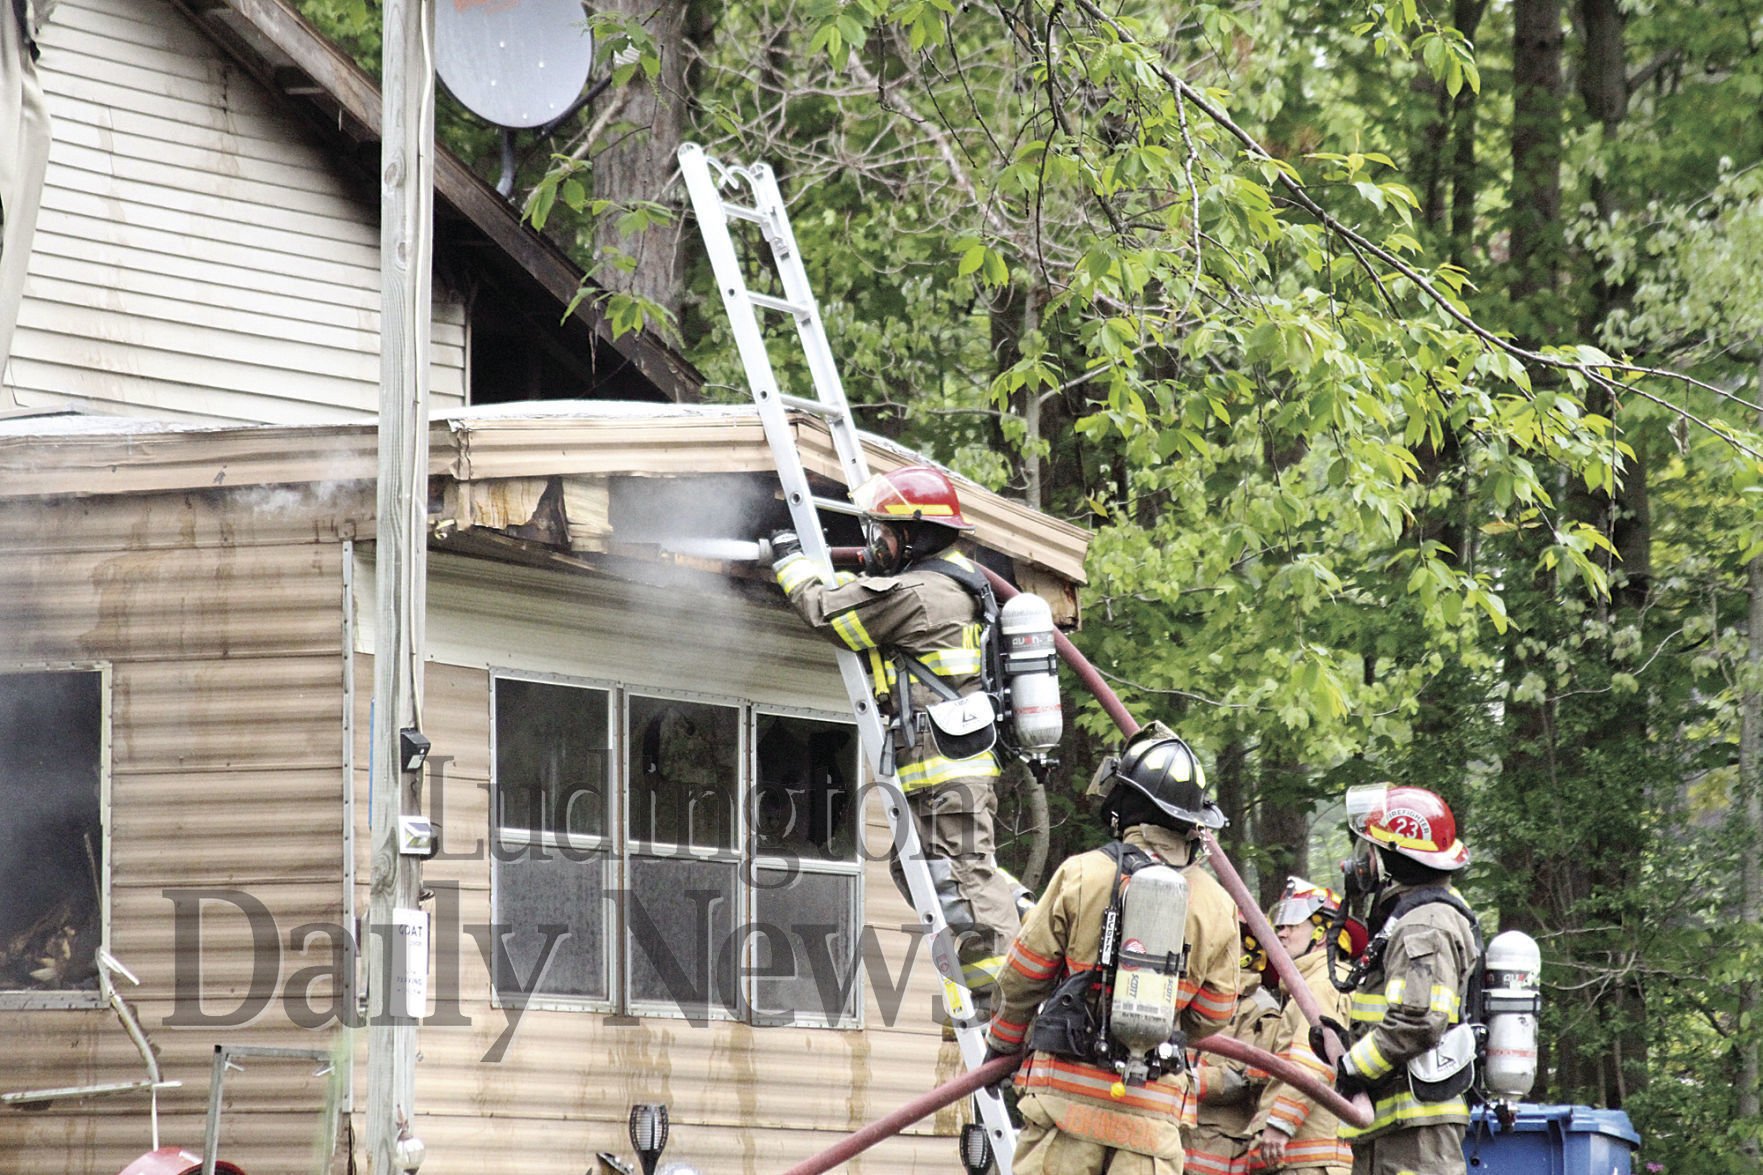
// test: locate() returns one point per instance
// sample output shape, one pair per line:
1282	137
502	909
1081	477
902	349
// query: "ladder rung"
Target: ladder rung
782	306
742	212
818	408
835	506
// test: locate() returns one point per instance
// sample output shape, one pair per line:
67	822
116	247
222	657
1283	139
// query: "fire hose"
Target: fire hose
1357	1111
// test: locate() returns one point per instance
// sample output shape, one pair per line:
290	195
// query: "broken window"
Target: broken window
52	841
553	865
683	775
806	913
805	797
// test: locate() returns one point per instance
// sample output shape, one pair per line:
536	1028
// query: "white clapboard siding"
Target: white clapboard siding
199	254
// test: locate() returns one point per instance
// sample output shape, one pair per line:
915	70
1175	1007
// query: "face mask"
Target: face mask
1361	873
878	558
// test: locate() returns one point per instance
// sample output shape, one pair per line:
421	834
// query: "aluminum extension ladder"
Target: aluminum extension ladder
759	201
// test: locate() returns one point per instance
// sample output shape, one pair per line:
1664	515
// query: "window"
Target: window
683	773
52	851
714	843
807	907
553	860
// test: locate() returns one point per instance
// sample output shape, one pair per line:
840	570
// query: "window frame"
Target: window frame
744	859
611	869
24	999
735	858
754	861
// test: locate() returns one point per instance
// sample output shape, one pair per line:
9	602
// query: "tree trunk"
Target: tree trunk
1465	181
1282	825
1528	772
639	164
1536	145
1750	1098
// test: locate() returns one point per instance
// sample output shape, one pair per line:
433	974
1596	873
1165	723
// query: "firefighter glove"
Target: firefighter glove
1320	1034
992	1054
783	544
1346	1082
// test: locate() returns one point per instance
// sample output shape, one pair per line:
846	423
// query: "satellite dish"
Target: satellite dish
516	63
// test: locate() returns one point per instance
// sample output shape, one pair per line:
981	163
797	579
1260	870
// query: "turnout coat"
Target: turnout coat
1062	936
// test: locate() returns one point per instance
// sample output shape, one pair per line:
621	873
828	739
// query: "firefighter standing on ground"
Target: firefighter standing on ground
1226	1091
1411	986
912	601
1294	1133
1078	1118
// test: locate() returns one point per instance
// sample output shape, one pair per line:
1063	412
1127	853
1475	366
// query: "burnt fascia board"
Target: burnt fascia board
350	98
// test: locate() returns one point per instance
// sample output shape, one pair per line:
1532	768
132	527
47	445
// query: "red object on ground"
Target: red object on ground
175	1160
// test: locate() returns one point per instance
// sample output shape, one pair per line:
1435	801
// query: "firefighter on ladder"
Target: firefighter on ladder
1079	1118
1411	1050
916	600
1227	1091
1295	1133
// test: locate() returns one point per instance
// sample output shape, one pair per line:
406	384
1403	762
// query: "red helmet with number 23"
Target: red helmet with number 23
1411	821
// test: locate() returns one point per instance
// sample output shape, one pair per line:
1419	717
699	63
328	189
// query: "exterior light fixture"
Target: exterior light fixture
648	1133
976	1149
413	749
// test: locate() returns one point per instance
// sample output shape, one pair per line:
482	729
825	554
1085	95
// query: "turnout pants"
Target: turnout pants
978	899
1043	1150
1414	1150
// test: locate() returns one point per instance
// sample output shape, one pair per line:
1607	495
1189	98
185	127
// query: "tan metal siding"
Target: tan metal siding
741	1098
197	256
220	616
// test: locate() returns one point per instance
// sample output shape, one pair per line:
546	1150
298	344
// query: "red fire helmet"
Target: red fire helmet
1409	820
912	493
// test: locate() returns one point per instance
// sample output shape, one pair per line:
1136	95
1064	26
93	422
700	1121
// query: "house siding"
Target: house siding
198	255
219	616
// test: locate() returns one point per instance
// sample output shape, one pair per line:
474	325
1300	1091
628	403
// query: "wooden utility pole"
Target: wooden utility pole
397	956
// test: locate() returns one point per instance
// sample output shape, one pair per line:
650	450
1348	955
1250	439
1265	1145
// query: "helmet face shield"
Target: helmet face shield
1302	901
1362	801
1411	821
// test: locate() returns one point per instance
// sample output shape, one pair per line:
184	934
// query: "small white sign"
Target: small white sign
410	963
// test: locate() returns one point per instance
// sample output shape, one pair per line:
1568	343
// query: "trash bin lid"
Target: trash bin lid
1568	1119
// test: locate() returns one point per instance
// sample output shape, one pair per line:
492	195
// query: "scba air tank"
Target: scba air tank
1031	671
1147	977
1511	999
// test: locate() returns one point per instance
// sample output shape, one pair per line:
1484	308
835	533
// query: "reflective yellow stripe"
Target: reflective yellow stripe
797	570
908	510
1370	1009
1367	1060
937	769
852	632
952	662
982	973
881	672
1403	1106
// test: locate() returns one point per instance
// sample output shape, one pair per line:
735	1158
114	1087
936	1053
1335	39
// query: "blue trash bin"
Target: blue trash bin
1551	1140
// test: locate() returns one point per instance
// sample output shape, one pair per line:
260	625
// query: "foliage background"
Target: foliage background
1328	318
